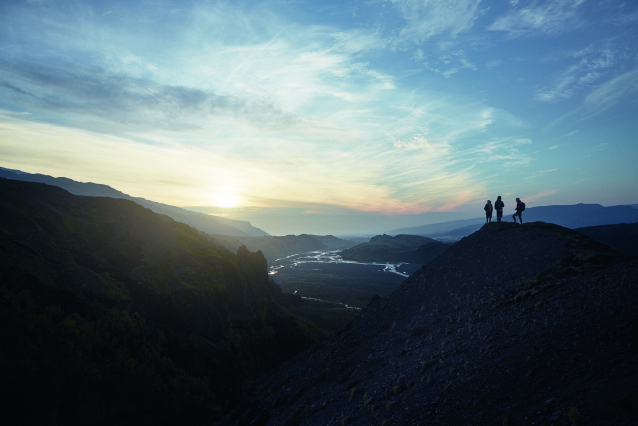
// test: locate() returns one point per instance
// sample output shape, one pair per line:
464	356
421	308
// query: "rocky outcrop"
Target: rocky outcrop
514	324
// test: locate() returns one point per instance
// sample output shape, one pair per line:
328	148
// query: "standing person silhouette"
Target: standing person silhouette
498	205
520	206
488	211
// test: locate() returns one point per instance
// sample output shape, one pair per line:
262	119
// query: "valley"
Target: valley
333	291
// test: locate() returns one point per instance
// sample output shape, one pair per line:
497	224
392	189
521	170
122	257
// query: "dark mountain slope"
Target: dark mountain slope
622	236
514	324
402	248
333	242
203	222
112	314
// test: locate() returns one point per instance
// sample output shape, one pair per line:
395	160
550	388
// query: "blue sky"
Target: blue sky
397	107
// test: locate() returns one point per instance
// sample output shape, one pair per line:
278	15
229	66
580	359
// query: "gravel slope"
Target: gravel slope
529	324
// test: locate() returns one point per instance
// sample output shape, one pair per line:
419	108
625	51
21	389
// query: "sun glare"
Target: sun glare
226	200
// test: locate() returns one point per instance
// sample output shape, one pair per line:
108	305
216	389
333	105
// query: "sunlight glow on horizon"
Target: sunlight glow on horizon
226	200
393	108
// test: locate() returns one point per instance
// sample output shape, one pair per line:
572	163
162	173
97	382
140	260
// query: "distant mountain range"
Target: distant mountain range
402	248
277	247
569	216
204	222
232	234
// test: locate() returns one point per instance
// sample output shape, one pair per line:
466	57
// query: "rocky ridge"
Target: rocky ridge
528	324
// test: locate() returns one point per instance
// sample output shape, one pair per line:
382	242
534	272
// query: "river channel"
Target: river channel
326	276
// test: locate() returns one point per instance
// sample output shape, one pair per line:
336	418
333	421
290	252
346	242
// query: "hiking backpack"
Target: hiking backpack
522	206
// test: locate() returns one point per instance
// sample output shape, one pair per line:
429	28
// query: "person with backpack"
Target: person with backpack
520	206
488	211
498	205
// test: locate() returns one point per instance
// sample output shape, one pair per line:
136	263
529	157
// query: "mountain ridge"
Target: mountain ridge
276	247
401	248
207	223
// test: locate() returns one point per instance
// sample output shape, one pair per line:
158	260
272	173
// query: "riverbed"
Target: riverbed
325	276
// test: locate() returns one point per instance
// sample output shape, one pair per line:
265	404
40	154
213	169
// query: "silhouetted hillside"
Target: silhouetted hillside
113	314
513	325
623	236
207	223
332	242
402	248
380	238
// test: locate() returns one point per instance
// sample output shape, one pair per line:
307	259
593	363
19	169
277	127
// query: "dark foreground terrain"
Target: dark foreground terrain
529	324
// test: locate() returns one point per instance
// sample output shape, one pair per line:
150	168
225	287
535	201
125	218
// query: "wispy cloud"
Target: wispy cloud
535	197
609	93
429	18
625	14
391	109
128	103
540	18
593	64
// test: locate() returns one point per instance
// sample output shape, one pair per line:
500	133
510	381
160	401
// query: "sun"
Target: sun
226	200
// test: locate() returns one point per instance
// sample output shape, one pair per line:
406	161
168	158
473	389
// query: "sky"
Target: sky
381	108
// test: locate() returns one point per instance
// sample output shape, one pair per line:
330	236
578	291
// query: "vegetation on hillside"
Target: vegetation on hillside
114	314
